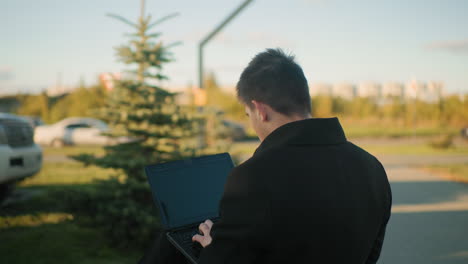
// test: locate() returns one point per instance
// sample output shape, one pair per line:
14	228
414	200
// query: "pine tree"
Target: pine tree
140	110
151	129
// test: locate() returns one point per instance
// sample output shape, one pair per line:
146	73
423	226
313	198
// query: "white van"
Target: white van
20	157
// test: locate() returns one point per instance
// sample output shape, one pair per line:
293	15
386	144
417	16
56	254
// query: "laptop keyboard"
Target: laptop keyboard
185	238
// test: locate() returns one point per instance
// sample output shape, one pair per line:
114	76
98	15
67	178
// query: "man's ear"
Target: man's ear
261	110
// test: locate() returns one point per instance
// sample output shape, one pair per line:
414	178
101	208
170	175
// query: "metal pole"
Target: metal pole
142	15
200	66
211	35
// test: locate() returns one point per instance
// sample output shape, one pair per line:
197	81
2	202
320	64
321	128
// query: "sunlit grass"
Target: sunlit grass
67	173
248	148
73	150
356	130
63	242
396	132
419	149
33	219
42	230
244	148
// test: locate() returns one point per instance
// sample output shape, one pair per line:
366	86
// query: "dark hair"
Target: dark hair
274	78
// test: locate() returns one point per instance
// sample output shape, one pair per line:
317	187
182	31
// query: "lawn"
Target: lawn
41	230
357	131
67	172
62	242
72	150
416	149
248	148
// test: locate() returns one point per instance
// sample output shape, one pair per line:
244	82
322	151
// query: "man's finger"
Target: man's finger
209	223
204	229
198	238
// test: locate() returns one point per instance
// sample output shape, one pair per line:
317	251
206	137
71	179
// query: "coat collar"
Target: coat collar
313	131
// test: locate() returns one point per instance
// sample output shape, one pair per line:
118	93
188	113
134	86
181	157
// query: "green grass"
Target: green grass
67	173
73	150
41	229
34	219
63	242
44	199
357	129
396	132
244	147
419	149
248	148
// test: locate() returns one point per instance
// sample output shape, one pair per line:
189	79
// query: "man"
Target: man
307	195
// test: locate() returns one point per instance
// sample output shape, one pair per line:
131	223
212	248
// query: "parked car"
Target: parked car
20	157
236	131
464	132
76	131
34	121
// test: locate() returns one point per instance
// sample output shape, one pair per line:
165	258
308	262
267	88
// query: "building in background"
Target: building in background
433	92
393	89
344	90
370	89
414	89
321	89
429	92
57	90
108	79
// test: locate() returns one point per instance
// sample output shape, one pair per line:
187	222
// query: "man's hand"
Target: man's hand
205	229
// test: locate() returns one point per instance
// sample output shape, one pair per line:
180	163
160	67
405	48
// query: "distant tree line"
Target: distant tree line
80	102
448	111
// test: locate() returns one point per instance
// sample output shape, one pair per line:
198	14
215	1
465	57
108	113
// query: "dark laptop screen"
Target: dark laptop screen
189	191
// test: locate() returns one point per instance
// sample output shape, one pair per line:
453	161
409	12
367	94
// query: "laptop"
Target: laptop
188	192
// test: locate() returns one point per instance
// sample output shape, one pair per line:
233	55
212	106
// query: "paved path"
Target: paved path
391	161
429	222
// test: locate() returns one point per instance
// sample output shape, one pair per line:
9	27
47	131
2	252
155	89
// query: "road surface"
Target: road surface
429	222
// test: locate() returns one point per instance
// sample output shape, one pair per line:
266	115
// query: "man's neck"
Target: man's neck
280	120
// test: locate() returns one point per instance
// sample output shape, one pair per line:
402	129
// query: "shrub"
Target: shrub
442	142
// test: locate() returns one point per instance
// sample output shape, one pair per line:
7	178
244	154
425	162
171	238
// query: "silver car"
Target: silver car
20	157
75	131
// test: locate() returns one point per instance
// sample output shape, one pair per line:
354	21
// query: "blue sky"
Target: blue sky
333	40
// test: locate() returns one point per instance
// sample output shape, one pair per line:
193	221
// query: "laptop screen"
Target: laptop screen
189	191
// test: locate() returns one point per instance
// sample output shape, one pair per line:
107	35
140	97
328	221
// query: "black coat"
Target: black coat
306	196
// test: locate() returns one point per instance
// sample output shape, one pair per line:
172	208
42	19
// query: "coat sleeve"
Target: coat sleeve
377	247
378	243
243	233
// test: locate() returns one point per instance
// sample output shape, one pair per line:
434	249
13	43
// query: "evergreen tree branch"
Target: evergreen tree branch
159	21
122	19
